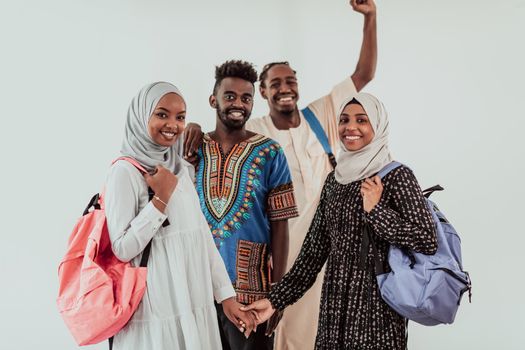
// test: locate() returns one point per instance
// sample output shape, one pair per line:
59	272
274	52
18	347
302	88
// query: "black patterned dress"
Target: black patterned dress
353	315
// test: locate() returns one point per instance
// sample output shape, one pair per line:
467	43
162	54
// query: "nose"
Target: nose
237	103
351	126
284	88
172	123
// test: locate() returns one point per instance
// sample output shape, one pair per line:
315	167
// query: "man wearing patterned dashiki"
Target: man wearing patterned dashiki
246	194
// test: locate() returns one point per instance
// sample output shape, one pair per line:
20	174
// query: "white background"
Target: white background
449	72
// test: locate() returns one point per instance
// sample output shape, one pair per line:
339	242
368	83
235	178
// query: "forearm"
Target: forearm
131	221
366	65
129	240
405	219
417	233
279	248
313	255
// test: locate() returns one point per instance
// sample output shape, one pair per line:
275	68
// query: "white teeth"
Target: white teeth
168	134
285	99
352	138
236	115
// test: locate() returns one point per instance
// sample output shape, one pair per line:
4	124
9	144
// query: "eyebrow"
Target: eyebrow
167	110
234	93
285	78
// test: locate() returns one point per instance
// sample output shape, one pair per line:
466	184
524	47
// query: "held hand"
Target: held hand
263	308
244	321
273	322
371	190
163	182
366	7
192	141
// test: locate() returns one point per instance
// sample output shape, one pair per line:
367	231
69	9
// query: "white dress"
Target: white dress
185	270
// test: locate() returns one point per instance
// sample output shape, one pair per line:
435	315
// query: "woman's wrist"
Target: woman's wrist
159	203
160	200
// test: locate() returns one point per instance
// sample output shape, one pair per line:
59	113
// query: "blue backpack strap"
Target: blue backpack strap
388	168
319	132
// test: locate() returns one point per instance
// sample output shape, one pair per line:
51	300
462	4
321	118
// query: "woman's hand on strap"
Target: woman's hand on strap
163	182
371	190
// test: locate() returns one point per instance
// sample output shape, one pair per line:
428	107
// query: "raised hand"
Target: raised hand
366	7
263	308
245	321
371	190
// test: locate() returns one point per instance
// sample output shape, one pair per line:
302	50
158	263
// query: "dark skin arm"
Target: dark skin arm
367	63
192	141
279	245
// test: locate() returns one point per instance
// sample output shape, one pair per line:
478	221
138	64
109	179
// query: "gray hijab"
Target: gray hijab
137	142
358	165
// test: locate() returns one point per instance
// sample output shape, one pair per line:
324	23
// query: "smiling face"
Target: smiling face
233	102
280	89
355	130
167	122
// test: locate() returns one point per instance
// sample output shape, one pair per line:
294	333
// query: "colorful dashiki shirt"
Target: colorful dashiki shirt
240	193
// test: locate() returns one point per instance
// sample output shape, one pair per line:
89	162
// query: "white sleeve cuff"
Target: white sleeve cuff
224	293
149	216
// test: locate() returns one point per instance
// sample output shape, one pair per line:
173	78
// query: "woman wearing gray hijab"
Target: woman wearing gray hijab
353	315
185	271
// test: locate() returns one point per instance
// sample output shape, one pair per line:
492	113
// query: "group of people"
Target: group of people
244	217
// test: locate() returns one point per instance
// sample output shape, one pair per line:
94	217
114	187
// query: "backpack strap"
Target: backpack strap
147	249
388	168
134	162
318	130
367	240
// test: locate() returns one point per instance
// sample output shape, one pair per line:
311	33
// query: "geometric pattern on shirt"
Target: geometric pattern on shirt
281	203
253	274
229	181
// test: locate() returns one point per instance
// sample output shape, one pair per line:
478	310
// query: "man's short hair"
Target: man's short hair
266	68
234	69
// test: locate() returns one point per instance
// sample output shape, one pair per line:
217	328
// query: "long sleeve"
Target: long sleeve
406	221
314	253
132	220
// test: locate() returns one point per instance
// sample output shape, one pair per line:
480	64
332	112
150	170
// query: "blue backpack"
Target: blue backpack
426	289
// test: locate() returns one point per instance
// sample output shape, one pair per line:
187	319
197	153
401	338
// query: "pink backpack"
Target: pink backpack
98	293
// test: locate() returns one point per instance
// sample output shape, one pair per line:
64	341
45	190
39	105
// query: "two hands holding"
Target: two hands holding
262	310
247	318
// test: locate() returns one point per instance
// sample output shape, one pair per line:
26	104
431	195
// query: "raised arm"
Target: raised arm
366	65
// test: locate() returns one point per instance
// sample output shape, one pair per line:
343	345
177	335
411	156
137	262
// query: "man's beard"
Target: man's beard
229	123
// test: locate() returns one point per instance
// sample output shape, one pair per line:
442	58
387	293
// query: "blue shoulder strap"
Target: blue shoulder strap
319	132
388	168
